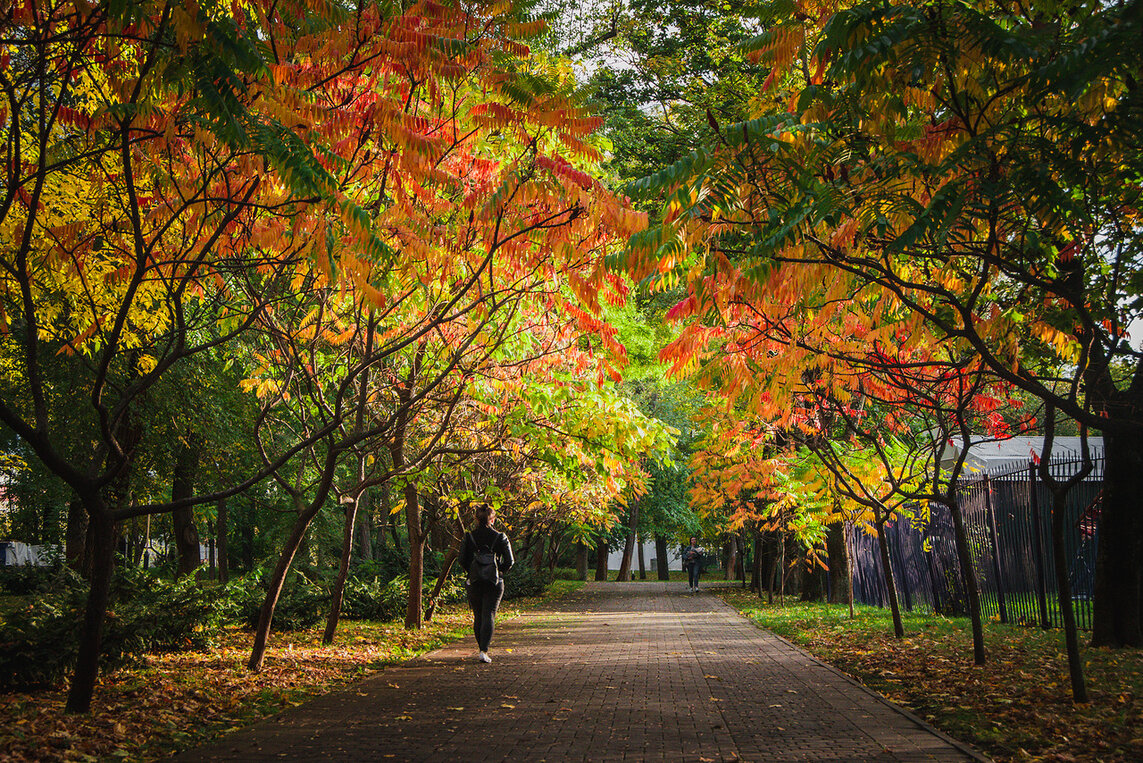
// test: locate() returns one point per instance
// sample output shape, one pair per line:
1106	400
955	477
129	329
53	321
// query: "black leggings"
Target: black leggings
484	599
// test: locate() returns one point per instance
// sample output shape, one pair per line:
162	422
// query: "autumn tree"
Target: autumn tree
974	164
132	184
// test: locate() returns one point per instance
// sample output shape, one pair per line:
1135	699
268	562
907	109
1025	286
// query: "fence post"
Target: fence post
991	515
1038	548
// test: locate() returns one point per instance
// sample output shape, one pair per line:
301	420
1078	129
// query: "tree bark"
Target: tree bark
414	613
601	560
838	563
182	486
581	560
446	568
338	593
662	560
890	579
75	541
642	562
756	566
732	557
1117	615
555	548
1064	593
971	584
223	531
102	529
629	545
277	581
365	528
538	552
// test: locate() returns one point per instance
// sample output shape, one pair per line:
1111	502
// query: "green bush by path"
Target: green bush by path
1017	707
523	580
39	640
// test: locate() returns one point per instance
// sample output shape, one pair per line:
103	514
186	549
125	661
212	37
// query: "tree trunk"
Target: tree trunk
581	560
414	613
248	536
211	549
277	581
642	562
769	566
223	531
338	593
811	582
182	486
838	563
971	585
887	569
1118	593
102	531
446	568
662	560
75	540
756	566
555	548
601	560
1064	592
732	557
847	529
364	528
538	553
629	546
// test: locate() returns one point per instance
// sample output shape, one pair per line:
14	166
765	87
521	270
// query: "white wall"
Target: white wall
674	561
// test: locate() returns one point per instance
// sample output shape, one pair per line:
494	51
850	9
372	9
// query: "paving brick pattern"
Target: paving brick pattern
631	671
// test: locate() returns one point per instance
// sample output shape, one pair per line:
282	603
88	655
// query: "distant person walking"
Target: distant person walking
692	563
487	555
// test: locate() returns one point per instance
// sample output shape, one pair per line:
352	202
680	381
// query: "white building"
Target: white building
650	558
987	454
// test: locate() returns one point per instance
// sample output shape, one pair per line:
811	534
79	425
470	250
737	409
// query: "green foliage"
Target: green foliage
523	580
301	604
39	642
159	615
27	579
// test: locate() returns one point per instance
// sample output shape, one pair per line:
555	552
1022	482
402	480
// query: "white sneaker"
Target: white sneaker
484	657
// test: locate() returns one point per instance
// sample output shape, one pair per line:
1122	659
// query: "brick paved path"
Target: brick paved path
631	671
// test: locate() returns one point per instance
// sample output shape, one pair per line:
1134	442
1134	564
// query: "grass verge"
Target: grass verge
170	702
1017	707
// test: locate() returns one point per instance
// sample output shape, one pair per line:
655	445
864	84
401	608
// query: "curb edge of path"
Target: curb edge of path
964	747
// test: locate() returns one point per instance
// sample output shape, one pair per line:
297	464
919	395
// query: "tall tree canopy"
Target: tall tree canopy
935	174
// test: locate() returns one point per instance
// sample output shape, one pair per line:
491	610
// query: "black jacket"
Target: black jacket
483	537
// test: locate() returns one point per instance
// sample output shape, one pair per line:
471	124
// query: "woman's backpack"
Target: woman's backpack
484	568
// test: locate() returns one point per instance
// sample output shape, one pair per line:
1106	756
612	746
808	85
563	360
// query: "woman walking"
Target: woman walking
487	555
692	563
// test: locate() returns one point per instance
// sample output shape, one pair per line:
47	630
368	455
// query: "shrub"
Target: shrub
301	604
366	599
39	642
157	615
523	580
26	579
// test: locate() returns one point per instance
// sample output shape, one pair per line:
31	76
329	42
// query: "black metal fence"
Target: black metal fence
1008	520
